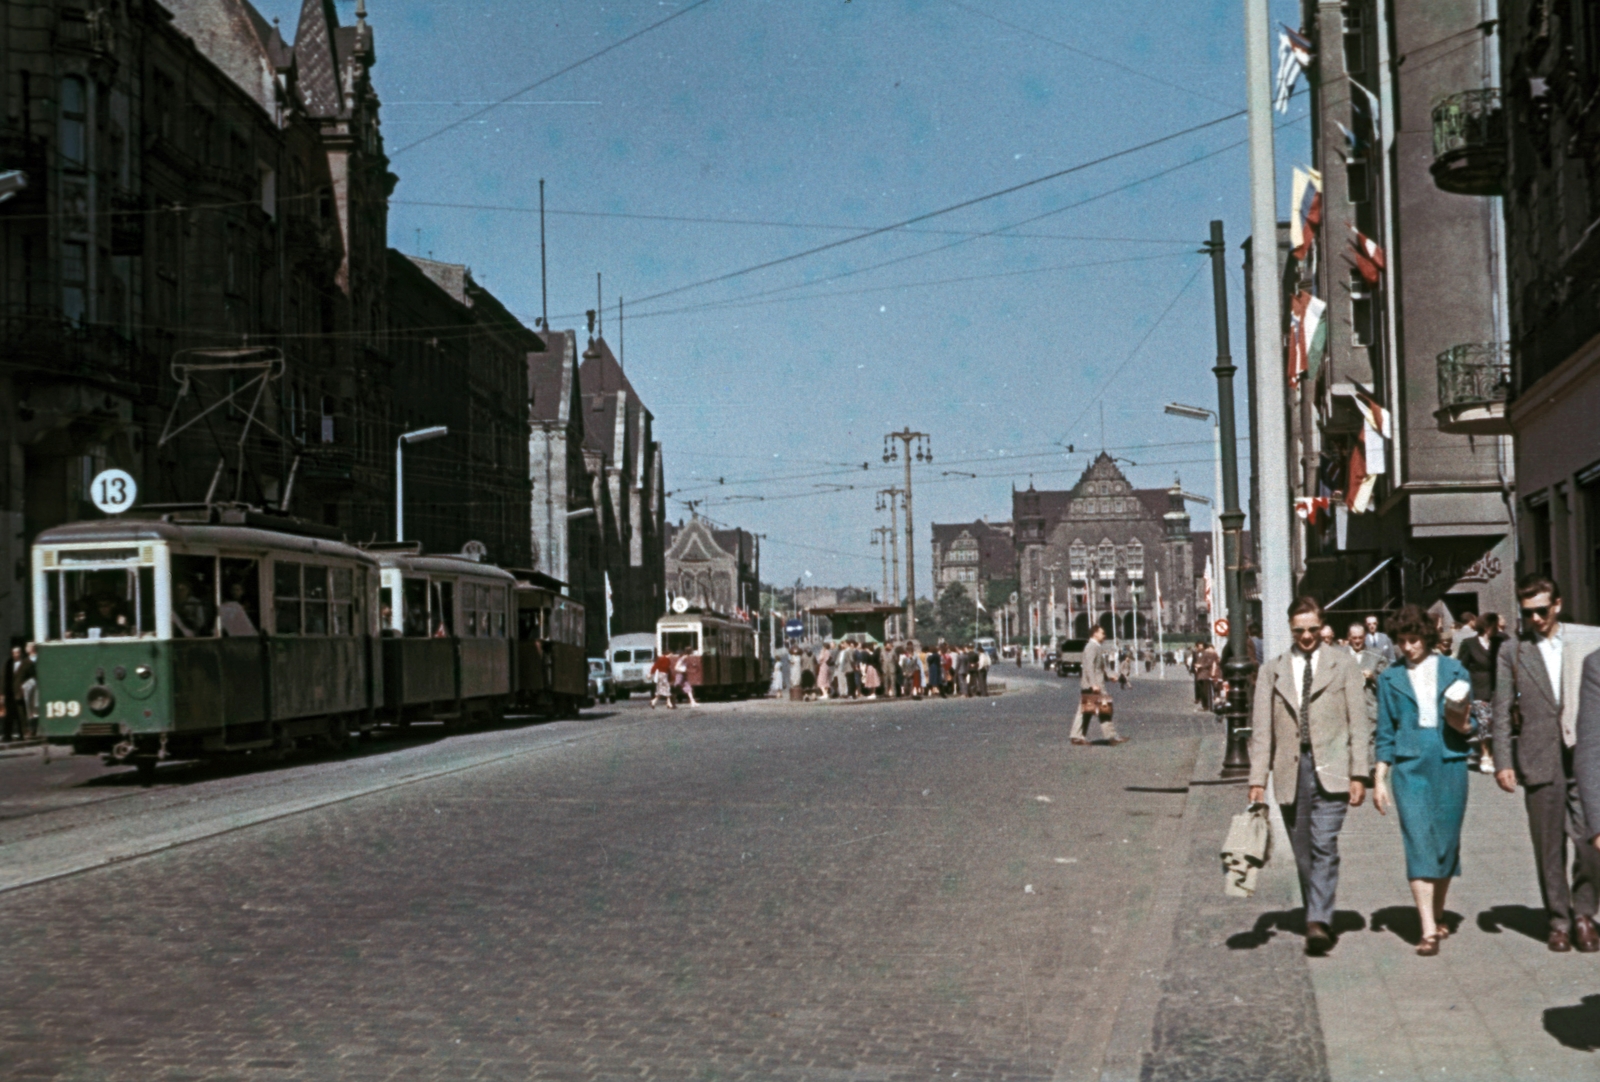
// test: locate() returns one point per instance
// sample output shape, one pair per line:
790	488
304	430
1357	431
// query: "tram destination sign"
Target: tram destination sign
113	491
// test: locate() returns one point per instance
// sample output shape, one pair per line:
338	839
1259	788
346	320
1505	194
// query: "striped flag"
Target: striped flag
1371	249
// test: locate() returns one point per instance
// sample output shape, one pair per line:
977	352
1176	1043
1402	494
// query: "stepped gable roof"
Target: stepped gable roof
235	37
1054	505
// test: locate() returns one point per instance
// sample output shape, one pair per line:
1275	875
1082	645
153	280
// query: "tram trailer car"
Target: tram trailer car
552	663
725	659
447	629
201	632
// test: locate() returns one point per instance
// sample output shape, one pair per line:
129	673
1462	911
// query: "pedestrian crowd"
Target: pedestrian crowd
1405	713
849	669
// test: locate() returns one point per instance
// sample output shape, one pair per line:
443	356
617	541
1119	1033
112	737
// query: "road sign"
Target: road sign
794	628
1221	628
113	491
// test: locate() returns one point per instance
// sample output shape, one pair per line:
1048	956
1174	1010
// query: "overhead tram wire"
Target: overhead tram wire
1189	90
998	231
952	208
549	78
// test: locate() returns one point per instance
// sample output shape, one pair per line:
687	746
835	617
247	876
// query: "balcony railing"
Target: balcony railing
1469	143
1474	382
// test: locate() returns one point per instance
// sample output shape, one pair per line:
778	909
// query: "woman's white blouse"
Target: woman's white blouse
1425	686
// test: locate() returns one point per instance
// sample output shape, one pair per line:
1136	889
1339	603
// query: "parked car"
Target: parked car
1069	657
601	689
631	658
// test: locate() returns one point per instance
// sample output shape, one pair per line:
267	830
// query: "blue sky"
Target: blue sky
816	118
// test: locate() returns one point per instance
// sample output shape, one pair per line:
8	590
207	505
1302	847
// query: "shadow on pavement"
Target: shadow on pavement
1576	1027
1291	922
1517	918
1402	920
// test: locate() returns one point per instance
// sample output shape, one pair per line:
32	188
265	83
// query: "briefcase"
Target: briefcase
1094	702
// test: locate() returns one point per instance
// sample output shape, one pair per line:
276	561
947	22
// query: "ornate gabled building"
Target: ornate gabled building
720	569
1107	545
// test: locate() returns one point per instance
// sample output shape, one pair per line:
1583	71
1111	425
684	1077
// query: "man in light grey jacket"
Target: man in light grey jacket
1099	664
1311	732
1586	748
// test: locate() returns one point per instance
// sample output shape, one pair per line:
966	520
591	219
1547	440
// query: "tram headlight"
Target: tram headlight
100	700
142	672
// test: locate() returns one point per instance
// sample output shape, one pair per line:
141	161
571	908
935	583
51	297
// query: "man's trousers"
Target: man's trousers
1313	822
1554	816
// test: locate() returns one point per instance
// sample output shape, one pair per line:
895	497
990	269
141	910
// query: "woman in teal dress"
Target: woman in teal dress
1424	722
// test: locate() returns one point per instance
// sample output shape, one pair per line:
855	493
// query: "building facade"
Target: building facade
1107	547
719	569
1401	462
1550	141
973	554
623	460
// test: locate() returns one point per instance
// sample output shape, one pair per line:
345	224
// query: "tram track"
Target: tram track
56	843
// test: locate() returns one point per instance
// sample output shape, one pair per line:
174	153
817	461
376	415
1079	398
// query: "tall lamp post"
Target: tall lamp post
1239	668
1219	587
415	436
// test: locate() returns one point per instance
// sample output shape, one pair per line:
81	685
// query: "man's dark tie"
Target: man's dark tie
1305	706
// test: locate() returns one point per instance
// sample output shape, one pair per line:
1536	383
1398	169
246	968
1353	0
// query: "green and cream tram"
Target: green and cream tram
195	632
552	664
447	636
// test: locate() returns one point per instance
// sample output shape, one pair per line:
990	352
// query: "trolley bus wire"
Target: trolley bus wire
537	83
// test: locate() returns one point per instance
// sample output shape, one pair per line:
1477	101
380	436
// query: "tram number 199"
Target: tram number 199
59	709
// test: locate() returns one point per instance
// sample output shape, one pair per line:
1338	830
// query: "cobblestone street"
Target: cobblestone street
764	891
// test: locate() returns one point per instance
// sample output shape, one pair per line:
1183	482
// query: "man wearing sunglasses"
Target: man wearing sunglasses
1536	701
1311	731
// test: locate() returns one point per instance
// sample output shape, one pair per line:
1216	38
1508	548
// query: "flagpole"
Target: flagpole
1273	544
1161	641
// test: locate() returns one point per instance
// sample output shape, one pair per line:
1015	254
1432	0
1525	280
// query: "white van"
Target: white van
631	658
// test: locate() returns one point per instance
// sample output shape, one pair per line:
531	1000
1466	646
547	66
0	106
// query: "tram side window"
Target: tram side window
444	609
416	602
341	585
497	600
529	625
471	598
315	581
240	612
194	597
286	598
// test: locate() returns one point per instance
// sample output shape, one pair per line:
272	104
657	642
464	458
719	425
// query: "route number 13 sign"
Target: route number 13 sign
113	491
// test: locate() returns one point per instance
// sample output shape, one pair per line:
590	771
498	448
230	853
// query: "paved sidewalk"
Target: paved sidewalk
1495	1004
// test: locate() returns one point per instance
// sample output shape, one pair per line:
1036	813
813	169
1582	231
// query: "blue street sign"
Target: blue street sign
794	628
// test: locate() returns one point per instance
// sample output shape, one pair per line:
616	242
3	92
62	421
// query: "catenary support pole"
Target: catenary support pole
1272	543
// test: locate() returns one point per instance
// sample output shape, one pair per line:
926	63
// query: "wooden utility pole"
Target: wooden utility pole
924	454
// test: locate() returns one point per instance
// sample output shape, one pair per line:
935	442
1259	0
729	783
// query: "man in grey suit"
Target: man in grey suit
1098	664
1586	748
1540	675
1311	732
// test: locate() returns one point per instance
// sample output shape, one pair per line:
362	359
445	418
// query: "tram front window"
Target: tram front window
105	603
194	592
680	642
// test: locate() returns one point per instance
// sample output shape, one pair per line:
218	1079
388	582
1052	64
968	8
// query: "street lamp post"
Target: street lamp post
1219	585
416	436
1239	668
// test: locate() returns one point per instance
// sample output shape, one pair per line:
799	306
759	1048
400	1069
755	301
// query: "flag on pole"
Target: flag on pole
1363	263
1307	333
1294	56
1310	507
1371	249
1374	110
1352	142
1374	414
1304	217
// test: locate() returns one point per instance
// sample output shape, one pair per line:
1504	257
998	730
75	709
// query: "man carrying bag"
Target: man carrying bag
1093	702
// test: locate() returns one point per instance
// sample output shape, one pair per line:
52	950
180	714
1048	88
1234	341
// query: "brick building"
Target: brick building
1107	543
720	569
973	553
